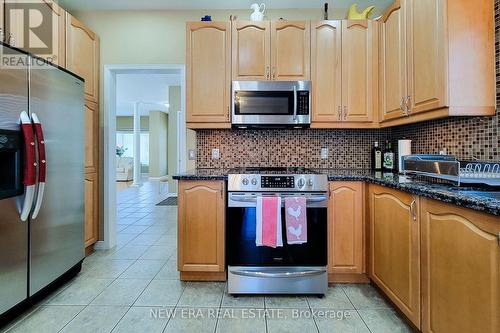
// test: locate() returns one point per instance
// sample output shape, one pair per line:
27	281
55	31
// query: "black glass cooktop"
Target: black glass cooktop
273	171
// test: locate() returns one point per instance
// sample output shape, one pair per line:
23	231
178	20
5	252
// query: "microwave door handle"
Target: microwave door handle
29	178
42	169
294	102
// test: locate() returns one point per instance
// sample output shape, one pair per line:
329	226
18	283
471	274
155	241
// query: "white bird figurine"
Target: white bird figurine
295	212
296	231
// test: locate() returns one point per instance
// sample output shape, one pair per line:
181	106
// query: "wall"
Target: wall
126	123
174	99
158	140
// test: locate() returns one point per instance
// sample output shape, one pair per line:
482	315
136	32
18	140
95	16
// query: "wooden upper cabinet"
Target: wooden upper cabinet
208	72
251	50
460	270
290	50
91	137
395	247
201	226
326	71
359	77
346	228
393	76
82	55
426	51
48	41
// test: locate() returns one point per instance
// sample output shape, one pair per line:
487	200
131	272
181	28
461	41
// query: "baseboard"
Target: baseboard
203	276
348	278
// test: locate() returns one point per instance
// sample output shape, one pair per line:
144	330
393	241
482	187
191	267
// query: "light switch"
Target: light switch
192	154
324	153
215	154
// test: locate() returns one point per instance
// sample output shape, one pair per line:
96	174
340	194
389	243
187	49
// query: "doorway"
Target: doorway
144	135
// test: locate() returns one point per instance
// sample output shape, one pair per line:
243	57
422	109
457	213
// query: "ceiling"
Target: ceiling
151	89
80	5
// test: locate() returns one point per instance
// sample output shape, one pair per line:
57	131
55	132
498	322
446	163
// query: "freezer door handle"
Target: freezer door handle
29	179
42	164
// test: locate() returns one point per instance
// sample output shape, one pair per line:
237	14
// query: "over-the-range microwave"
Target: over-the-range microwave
271	104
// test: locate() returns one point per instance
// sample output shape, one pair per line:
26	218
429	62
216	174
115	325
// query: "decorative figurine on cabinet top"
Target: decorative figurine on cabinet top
258	12
355	15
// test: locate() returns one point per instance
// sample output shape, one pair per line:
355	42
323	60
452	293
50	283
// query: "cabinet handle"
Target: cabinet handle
12	41
2	36
274	73
408	105
221	191
413	210
340	113
345	112
268	76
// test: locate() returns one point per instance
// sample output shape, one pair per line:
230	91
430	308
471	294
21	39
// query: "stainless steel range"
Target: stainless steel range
291	269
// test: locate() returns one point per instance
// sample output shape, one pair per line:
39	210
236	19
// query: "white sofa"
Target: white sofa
124	169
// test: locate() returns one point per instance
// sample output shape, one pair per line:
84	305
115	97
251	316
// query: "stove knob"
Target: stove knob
245	181
254	181
310	183
301	183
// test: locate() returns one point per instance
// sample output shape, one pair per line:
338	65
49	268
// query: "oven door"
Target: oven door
241	231
264	103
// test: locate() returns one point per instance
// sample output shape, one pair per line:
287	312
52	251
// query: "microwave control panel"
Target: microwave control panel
303	103
277	182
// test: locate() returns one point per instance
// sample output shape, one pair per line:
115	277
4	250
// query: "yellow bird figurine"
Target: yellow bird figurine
355	15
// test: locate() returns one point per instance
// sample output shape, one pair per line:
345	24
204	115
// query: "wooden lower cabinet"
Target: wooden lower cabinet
201	218
460	269
91	189
395	248
346	237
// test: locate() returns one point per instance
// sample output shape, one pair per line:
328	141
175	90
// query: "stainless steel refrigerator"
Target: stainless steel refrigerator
41	177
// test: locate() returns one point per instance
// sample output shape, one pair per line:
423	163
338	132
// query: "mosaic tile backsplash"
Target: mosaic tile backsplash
468	138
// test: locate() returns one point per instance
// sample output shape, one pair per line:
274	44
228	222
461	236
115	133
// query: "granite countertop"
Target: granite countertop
425	188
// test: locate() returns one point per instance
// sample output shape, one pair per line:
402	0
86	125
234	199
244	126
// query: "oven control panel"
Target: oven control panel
277	181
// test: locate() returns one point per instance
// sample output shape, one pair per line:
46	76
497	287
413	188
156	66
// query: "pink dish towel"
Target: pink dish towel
296	220
268	222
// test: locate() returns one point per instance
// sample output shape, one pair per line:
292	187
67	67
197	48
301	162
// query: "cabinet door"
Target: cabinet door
345	223
460	270
208	69
290	50
91	137
395	248
251	50
326	67
393	82
358	70
48	40
91	209
201	226
82	55
426	50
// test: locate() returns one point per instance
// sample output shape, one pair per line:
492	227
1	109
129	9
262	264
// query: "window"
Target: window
126	139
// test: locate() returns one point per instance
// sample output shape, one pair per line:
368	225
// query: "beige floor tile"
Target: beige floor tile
47	319
143	269
80	292
96	319
161	293
121	292
341	321
335	298
141	319
202	294
384	320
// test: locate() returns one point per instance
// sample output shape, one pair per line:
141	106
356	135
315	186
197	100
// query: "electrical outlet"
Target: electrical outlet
324	153
192	154
215	154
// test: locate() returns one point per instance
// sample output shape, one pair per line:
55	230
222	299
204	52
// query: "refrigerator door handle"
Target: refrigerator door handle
42	168
29	179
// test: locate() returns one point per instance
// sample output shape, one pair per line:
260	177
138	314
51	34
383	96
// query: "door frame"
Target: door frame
108	212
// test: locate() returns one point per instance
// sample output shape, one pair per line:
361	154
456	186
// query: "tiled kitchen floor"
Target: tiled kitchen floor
118	290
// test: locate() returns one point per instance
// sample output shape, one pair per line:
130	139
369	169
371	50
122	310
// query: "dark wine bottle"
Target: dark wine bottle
388	156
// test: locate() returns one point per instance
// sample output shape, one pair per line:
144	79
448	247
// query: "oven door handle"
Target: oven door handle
278	275
294	103
252	198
